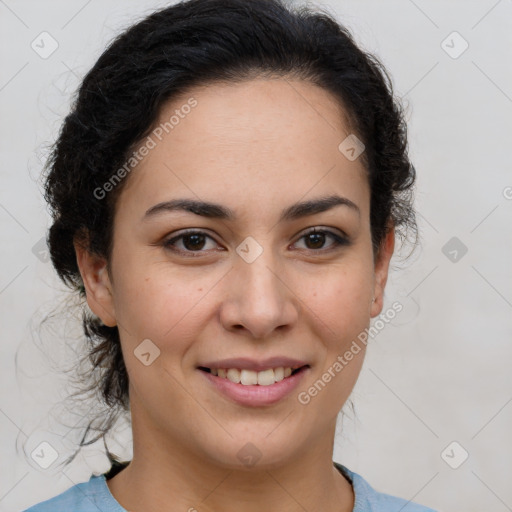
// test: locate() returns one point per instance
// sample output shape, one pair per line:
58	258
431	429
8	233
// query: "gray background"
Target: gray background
439	374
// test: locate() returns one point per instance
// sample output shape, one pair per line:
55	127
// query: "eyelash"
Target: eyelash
339	241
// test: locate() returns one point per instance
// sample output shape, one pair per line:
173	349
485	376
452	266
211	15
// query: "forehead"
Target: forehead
263	140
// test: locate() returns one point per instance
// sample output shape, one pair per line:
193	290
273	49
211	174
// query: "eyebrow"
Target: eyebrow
217	211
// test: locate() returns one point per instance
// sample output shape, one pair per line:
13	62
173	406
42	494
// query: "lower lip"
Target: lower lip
256	395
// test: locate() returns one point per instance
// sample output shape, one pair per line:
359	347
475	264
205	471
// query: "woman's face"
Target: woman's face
250	282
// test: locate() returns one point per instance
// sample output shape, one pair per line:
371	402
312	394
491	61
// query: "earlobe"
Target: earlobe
97	284
381	271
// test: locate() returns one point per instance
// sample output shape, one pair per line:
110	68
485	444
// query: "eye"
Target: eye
316	238
192	241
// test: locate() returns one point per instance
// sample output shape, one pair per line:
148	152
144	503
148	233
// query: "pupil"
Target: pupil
194	244
318	237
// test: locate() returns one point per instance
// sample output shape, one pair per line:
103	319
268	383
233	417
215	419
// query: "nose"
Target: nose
258	298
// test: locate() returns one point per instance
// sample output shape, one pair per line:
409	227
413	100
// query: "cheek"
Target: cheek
339	310
166	312
158	302
340	300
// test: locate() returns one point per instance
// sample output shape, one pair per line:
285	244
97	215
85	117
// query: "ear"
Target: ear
382	260
97	284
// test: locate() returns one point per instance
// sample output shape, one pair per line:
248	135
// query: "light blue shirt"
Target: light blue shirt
95	496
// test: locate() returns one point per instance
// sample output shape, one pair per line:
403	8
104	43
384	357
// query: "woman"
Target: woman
226	193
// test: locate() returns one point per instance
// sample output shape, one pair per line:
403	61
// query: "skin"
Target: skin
256	147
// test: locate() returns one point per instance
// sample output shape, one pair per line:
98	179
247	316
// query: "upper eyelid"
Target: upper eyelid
336	231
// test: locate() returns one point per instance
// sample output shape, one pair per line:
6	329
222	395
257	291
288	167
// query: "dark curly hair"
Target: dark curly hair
192	43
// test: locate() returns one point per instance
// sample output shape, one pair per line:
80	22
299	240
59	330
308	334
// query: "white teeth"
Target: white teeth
234	375
278	374
265	378
250	377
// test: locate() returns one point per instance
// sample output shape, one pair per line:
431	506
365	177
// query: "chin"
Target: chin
256	449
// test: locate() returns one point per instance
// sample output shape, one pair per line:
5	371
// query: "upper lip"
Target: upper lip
254	365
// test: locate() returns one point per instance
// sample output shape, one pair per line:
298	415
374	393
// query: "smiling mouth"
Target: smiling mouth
251	377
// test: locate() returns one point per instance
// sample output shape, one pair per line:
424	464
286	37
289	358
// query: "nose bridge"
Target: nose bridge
258	299
260	281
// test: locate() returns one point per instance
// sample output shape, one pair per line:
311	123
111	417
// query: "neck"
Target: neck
167	476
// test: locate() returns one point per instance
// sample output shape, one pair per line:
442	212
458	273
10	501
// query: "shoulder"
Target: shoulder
367	499
89	496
